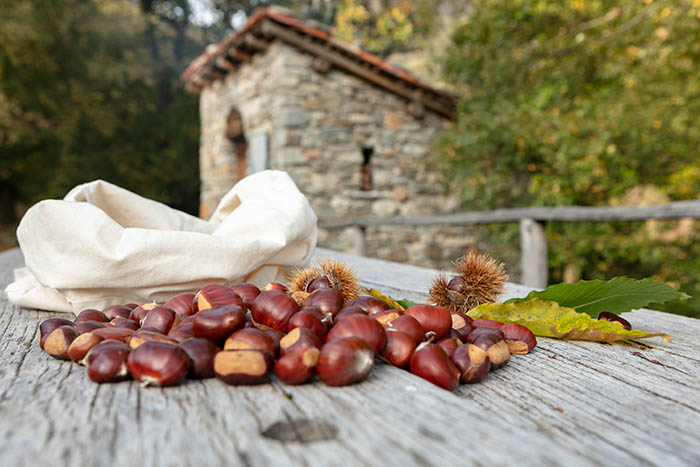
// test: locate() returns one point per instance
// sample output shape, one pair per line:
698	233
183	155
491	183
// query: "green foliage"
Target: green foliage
582	103
618	295
549	319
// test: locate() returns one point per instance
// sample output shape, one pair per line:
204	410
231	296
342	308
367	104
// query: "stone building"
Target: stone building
353	132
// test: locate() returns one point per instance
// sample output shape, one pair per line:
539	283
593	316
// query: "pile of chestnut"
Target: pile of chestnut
241	335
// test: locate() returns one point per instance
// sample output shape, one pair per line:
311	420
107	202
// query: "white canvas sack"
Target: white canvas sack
103	245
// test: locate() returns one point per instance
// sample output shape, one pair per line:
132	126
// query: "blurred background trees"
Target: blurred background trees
564	103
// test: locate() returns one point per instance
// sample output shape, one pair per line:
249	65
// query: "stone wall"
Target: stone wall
317	124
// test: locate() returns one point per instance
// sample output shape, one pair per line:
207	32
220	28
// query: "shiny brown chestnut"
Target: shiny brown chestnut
462	324
247	292
250	339
344	361
432	318
276	336
139	313
201	353
87	326
399	348
273	309
117	311
607	316
410	326
520	340
182	331
309	320
345	312
158	363
321	282
297	367
81	345
386	316
486	323
182	304
120	322
161	319
107	363
243	366
364	327
109	332
472	362
142	336
449	344
430	362
457	284
326	300
478	332
102	345
274	286
217	296
299	338
47	326
369	305
90	315
58	342
218	323
496	349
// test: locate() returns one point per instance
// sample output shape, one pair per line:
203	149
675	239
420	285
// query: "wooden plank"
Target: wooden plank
342	61
674	210
533	254
567	403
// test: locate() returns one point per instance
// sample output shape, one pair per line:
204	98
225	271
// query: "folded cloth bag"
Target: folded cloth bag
103	245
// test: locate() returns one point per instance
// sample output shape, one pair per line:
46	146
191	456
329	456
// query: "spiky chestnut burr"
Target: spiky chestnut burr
328	274
479	280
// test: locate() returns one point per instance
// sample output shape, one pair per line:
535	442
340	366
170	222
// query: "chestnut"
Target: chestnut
462	324
309	320
486	323
410	326
344	361
250	338
478	332
182	331
90	315
321	282
369	305
274	286
430	362
201	353
298	366
161	319
217	296
120	322
243	366
520	339
158	363
182	304
299	338
87	326
399	348
276	338
326	300
82	344
117	311
449	344
107	363
472	362
496	349
47	326
139	313
247	292
273	309
218	323
58	342
364	327
142	336
433	318
386	316
109	332
607	316
347	311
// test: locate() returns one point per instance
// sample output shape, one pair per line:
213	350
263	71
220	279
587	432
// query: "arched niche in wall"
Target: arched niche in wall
236	134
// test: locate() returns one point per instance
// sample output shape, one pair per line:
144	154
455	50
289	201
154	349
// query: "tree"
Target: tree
581	103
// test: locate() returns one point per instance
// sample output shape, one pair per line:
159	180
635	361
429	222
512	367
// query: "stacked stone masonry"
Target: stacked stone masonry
316	124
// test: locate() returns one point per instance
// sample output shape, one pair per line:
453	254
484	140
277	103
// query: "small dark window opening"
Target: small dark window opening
235	133
367	152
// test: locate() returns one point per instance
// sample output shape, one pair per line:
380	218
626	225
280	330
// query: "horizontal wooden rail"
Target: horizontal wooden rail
533	240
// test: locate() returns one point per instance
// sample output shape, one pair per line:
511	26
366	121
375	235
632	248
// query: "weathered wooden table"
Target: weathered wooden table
567	403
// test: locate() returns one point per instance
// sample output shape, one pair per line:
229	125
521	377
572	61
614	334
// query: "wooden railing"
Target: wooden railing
533	238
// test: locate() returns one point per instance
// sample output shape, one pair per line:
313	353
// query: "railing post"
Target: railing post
533	253
358	240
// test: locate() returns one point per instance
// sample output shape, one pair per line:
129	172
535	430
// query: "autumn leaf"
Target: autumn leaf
549	319
388	300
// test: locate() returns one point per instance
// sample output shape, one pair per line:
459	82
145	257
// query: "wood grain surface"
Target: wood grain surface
567	403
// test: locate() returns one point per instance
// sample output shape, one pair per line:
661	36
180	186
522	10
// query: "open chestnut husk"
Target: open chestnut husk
520	339
158	363
472	362
273	309
364	327
218	323
107	362
430	362
243	366
201	353
344	361
432	318
607	316
297	367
